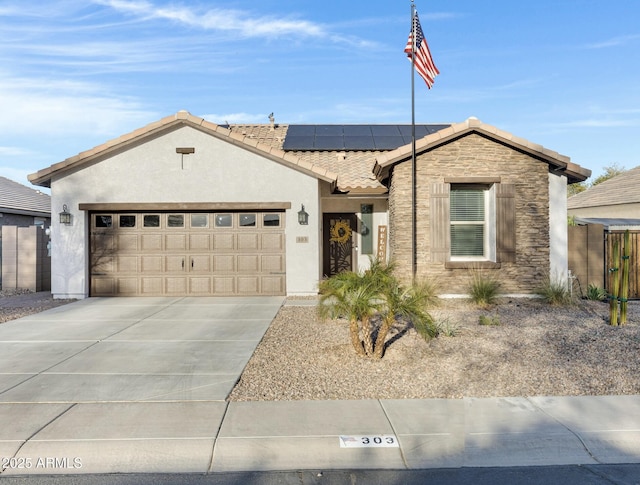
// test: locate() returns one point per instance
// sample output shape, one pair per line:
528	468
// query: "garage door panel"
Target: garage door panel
199	242
127	242
105	264
224	285
151	264
248	242
174	264
127	264
272	263
175	242
175	285
200	263
272	242
151	286
102	286
188	254
200	285
151	242
248	285
224	263
272	285
248	263
127	286
224	242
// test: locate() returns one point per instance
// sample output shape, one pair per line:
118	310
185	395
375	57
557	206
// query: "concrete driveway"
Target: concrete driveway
132	349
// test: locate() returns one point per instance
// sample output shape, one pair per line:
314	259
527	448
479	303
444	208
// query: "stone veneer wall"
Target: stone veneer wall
473	155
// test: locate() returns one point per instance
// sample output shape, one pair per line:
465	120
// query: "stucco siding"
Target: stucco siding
558	244
153	172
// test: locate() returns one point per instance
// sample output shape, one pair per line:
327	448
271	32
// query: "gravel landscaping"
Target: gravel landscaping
20	303
535	350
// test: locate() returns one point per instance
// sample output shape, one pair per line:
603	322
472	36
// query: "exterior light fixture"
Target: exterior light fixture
303	217
65	216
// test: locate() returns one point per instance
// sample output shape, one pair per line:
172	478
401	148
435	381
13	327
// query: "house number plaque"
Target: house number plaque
373	441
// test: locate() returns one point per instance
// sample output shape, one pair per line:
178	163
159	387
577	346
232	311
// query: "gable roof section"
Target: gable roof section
621	189
182	118
353	167
16	198
558	163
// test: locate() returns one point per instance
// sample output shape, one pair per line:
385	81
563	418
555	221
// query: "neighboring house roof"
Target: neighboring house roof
182	118
16	198
621	189
610	223
557	163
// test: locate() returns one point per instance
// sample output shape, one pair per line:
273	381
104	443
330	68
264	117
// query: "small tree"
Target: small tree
375	293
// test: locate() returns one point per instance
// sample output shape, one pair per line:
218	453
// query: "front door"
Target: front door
338	243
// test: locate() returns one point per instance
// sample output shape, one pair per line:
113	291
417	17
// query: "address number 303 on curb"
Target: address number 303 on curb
372	441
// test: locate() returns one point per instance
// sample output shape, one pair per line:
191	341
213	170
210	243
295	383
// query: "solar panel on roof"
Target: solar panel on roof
357	130
359	143
388	142
356	137
329	143
301	130
329	130
298	142
385	130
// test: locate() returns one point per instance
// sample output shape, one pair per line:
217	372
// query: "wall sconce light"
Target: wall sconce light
303	217
65	216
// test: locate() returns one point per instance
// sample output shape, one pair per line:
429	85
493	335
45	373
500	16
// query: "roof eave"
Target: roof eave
558	163
43	177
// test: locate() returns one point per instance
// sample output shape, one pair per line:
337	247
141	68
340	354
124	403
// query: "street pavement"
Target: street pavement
138	386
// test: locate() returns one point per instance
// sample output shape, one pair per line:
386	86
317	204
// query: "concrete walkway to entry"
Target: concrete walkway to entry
138	385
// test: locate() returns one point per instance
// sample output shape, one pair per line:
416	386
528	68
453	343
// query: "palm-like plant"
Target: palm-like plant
361	296
349	295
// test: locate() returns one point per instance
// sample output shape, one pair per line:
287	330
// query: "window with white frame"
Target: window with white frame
472	223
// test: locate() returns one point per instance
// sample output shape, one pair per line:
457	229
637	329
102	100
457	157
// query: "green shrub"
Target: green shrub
595	292
446	327
489	320
483	288
555	292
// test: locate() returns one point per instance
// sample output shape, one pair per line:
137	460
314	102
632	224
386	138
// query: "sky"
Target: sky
75	73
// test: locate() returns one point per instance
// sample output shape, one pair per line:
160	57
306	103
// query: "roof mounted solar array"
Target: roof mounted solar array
353	137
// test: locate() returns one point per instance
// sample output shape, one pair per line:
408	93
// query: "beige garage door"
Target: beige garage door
196	253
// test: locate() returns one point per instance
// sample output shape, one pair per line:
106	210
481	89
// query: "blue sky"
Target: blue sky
75	73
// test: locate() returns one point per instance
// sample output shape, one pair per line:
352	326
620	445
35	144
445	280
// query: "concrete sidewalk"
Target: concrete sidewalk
209	437
138	386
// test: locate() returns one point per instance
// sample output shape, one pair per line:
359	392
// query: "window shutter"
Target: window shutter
506	222
439	222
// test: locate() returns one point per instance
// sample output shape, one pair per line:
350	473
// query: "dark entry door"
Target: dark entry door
338	243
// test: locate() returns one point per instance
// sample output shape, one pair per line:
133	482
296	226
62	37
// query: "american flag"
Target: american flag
422	59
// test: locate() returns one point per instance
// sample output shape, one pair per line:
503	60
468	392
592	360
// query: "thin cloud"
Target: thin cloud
235	21
64	108
614	42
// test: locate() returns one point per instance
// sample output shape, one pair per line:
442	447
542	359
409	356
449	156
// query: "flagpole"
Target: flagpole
414	229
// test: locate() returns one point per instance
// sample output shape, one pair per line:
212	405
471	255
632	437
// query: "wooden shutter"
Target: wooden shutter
439	222
506	223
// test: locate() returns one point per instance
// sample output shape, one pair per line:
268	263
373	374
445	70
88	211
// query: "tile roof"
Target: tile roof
621	189
16	198
348	170
265	145
353	168
558	163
